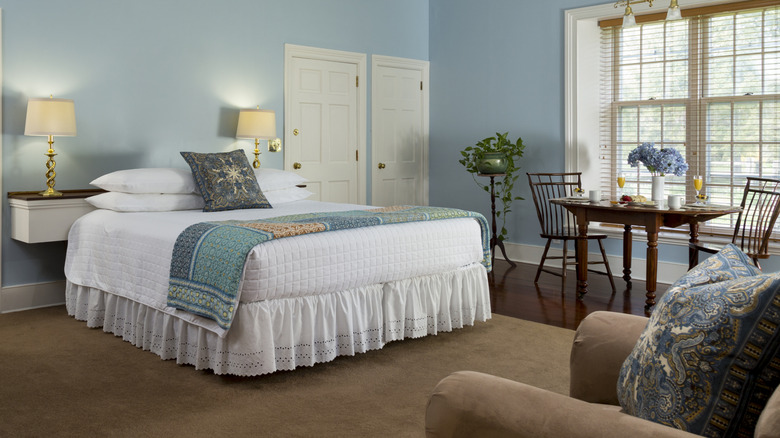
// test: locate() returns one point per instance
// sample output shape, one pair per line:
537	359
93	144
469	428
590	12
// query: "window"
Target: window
707	85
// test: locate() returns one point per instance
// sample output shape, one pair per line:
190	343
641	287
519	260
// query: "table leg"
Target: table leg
652	267
582	257
627	255
693	255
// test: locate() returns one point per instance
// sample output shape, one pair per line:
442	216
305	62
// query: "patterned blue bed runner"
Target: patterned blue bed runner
208	257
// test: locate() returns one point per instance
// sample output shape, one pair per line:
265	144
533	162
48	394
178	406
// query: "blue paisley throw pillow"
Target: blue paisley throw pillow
709	358
226	181
728	264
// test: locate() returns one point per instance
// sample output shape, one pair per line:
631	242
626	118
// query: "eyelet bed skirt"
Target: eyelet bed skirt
286	333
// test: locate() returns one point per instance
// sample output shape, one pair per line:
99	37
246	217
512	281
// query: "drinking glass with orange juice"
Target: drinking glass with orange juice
698	182
621	181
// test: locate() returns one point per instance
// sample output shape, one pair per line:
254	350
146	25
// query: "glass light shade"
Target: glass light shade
629	20
256	123
674	13
50	117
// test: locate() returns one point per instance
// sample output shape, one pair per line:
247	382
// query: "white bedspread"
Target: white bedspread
129	254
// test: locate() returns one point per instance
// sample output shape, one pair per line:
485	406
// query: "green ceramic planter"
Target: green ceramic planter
492	162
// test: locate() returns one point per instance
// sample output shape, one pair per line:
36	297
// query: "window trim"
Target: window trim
581	84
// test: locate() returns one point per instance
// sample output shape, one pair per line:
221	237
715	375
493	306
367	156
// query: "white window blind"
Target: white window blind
707	85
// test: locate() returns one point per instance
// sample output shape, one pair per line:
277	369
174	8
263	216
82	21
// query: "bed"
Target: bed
302	300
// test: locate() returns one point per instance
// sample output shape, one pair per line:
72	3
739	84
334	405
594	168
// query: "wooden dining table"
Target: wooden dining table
652	217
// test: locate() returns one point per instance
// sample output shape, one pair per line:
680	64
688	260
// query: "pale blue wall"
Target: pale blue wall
497	66
153	77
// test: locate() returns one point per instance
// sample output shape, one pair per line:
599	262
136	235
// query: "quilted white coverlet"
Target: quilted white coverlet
129	254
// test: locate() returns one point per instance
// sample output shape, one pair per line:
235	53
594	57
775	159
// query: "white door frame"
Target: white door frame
359	59
409	64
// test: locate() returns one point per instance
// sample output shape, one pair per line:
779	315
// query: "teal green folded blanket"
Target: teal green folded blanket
208	257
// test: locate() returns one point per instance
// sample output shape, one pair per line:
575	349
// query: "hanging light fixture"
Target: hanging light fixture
628	18
673	13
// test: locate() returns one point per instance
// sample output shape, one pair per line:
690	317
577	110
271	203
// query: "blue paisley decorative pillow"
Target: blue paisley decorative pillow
728	264
709	358
226	181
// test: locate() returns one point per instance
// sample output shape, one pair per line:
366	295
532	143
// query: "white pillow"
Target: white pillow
275	179
150	180
118	201
283	196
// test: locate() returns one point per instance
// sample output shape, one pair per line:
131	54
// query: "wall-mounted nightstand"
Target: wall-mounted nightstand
36	218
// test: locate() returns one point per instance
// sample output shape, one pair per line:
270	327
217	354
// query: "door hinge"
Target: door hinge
420	85
357	81
356	155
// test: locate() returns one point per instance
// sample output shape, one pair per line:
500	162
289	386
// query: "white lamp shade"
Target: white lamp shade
50	117
256	123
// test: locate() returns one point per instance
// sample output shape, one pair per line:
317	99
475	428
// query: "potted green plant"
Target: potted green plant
496	155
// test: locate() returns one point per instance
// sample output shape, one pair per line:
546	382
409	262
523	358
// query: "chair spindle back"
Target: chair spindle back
760	208
554	219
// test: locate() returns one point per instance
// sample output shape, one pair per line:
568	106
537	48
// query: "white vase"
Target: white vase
658	189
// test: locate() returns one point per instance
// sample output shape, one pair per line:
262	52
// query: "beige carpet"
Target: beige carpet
60	378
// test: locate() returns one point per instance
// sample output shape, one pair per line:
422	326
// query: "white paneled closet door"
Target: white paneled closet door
399	141
323	117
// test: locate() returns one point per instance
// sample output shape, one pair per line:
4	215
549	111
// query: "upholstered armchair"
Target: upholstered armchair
471	404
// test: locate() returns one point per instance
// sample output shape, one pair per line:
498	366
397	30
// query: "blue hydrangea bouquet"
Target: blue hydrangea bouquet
658	161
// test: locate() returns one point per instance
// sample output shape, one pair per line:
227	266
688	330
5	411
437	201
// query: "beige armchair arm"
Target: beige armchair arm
602	342
469	404
769	422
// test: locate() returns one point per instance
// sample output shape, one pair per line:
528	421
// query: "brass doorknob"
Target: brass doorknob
381	165
295	131
296	165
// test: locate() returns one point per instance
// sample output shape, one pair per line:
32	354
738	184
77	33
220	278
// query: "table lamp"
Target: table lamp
257	124
50	117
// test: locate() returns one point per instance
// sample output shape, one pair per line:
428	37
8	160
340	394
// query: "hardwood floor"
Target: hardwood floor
513	293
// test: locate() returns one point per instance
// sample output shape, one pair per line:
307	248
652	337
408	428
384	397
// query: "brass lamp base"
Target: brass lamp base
256	163
50	192
50	173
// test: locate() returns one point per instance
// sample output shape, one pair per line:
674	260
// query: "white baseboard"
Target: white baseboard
668	273
32	296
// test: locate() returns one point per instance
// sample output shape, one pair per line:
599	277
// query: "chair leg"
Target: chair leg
541	264
606	265
693	260
563	264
